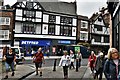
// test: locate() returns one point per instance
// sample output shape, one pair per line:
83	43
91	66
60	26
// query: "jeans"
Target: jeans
65	70
8	66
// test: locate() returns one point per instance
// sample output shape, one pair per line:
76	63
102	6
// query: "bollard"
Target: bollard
76	65
54	67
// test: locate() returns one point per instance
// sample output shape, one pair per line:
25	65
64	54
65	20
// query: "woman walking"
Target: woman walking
9	59
65	63
79	57
92	59
38	60
72	60
99	64
112	65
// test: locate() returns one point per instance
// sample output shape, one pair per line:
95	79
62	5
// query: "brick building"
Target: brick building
6	26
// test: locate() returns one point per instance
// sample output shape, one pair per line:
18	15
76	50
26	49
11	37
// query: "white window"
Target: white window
18	12
38	14
4	34
45	18
83	35
57	19
74	22
4	21
84	24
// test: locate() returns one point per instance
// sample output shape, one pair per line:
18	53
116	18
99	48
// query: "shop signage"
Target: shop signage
35	42
64	42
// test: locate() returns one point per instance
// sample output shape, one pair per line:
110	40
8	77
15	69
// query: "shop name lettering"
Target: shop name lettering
30	42
66	42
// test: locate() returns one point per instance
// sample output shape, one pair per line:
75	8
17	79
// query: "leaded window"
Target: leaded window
28	28
66	20
29	13
52	19
51	29
66	30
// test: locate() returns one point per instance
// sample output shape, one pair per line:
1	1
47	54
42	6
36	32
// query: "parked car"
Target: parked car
19	54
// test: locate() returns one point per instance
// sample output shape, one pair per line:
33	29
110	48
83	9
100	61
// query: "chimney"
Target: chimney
1	2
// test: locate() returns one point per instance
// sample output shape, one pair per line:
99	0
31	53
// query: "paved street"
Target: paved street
48	73
26	71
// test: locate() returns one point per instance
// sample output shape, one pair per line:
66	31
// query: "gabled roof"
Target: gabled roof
103	13
96	16
60	7
55	6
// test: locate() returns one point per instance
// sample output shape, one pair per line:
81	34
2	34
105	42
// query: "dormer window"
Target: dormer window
99	19
29	5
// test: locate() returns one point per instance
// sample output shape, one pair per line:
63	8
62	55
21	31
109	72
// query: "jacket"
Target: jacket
99	63
64	61
110	70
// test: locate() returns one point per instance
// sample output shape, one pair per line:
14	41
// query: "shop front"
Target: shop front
58	46
30	46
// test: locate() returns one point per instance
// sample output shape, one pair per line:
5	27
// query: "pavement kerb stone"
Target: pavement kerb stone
26	75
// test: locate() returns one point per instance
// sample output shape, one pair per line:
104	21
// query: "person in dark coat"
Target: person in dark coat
112	65
99	64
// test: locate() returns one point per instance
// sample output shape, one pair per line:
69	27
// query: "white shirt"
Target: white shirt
64	60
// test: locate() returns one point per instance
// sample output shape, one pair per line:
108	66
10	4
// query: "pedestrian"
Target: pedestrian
99	64
60	52
32	53
112	65
64	62
38	59
91	61
9	59
4	50
48	53
79	57
72	60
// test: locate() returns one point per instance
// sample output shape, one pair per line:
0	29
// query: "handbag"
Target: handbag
3	59
34	59
72	60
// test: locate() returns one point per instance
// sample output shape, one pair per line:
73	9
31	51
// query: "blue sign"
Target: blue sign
35	42
64	42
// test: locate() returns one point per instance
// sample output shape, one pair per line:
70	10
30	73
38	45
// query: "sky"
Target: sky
84	7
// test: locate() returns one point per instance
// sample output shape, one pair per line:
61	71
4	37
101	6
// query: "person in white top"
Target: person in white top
64	62
72	59
79	57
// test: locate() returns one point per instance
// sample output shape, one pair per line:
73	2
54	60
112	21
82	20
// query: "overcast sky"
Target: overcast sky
84	7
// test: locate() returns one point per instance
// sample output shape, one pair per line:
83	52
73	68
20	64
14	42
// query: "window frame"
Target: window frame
4	19
4	34
85	23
